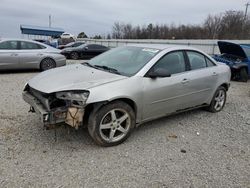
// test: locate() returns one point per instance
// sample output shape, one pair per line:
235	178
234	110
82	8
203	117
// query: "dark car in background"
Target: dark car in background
71	44
85	51
237	57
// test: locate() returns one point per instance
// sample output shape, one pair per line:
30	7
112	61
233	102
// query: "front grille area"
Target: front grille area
49	101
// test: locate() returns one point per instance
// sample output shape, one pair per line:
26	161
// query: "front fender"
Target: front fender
238	66
132	86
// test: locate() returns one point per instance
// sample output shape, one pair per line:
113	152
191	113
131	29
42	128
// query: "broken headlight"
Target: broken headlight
80	96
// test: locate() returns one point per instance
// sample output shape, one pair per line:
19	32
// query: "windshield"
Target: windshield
126	61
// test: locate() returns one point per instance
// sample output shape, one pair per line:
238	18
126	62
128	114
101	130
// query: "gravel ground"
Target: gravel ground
192	149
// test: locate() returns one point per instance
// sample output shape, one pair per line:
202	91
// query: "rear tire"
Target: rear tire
111	124
243	75
219	100
47	64
74	55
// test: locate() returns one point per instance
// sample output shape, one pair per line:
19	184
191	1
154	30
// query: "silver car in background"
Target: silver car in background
28	54
127	86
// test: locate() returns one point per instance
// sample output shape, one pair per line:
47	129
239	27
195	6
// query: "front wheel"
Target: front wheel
219	100
74	55
111	124
243	75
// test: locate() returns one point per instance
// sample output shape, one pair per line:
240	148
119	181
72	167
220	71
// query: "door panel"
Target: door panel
8	55
167	95
203	77
163	96
200	84
29	58
9	60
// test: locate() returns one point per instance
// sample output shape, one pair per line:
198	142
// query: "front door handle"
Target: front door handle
184	81
214	74
14	54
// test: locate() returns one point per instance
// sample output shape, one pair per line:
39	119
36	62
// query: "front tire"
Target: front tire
219	100
112	124
74	55
243	75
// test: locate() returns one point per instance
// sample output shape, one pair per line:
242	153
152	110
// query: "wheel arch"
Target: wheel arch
94	107
225	85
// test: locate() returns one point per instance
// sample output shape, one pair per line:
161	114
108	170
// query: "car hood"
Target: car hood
72	77
231	48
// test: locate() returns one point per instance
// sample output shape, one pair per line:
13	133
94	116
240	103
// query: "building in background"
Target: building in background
48	35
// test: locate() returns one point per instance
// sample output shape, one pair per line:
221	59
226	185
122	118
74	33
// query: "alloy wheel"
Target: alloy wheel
219	100
115	125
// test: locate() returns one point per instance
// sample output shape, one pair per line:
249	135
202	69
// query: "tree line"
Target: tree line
228	25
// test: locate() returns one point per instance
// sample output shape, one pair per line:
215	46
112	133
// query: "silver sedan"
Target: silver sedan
27	54
127	86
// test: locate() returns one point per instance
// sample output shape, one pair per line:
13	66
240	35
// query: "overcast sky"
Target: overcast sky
97	16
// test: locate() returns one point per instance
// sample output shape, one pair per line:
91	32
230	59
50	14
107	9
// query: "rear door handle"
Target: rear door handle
184	81
214	74
13	54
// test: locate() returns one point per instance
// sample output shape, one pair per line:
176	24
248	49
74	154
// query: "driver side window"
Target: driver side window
173	62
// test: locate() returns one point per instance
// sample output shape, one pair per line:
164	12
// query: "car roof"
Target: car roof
163	46
25	40
17	39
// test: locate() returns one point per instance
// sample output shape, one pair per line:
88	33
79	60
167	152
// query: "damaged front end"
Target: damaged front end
57	108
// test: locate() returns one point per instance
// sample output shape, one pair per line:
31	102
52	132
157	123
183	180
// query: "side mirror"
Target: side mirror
86	48
159	72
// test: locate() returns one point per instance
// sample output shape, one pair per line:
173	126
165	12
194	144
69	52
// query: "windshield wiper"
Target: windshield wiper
108	69
89	65
102	67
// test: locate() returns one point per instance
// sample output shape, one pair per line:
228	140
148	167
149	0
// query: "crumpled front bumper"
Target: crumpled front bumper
70	115
46	117
37	106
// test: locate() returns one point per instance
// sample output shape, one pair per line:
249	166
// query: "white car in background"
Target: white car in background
67	36
28	54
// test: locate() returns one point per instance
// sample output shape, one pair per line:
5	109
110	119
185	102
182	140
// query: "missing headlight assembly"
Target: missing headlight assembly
62	107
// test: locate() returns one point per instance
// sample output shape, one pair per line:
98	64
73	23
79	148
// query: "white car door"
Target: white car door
163	96
30	54
202	78
9	55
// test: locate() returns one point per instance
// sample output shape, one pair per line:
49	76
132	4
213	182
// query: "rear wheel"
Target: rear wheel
74	55
47	64
218	101
243	75
111	124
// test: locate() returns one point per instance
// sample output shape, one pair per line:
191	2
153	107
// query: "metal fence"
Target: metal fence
208	46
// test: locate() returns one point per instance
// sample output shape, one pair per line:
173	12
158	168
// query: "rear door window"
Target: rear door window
209	63
30	46
196	60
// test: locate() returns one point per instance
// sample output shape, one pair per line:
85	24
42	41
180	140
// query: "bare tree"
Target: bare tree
117	30
212	26
230	25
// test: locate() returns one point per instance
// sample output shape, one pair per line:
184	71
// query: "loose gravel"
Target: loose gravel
192	149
